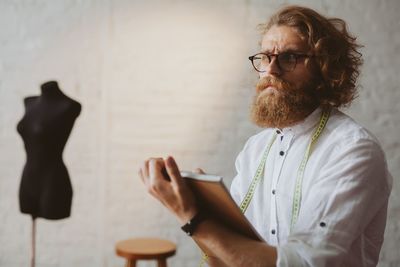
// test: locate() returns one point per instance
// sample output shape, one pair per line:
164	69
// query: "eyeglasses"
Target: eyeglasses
286	61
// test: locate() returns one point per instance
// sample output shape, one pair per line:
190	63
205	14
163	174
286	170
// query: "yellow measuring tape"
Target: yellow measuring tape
300	174
299	179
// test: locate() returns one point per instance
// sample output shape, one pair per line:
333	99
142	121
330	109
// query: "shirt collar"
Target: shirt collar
302	126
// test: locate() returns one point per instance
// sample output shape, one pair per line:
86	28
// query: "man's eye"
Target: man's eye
287	57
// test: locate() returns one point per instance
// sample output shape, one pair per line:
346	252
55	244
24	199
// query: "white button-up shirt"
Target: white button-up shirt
345	193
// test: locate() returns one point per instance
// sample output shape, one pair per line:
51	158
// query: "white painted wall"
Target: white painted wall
158	78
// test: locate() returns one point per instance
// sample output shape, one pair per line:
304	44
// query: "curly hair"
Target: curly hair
336	56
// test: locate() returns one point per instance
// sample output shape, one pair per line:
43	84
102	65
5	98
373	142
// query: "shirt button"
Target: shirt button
322	224
273	191
281	153
273	231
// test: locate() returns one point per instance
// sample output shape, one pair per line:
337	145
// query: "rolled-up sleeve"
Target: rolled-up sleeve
345	206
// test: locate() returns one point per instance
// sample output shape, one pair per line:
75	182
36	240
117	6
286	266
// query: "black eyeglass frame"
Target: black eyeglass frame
269	56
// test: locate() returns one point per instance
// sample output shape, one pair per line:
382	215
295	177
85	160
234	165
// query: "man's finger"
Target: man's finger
173	170
155	170
145	169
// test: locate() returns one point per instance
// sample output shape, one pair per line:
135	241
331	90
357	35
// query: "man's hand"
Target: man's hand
171	191
233	249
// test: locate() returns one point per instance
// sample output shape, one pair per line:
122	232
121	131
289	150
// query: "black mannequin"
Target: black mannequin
45	189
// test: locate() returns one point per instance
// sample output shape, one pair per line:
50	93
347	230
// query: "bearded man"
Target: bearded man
320	184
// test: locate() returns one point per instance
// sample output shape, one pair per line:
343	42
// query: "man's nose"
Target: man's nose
272	69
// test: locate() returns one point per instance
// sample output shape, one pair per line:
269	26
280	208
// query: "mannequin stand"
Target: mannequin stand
33	241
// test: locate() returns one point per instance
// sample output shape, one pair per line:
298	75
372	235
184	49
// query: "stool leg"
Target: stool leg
130	263
162	262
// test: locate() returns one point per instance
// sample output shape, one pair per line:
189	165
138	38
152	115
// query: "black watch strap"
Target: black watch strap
192	224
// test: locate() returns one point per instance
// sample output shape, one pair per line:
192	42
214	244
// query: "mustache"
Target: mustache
276	82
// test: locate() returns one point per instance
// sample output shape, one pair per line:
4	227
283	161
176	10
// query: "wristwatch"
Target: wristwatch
192	224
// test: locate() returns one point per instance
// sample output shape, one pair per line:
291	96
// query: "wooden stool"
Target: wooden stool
145	249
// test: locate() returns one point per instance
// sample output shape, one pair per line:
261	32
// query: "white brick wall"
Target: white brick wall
157	78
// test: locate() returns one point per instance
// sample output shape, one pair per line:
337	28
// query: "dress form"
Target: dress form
45	189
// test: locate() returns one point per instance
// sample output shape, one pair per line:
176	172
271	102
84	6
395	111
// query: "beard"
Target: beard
283	105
